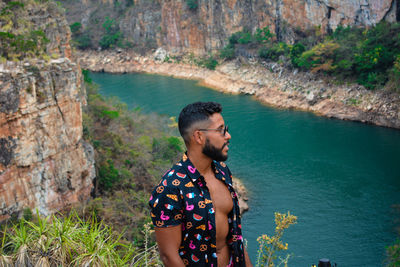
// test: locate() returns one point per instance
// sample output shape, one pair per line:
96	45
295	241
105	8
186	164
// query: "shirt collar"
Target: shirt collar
194	173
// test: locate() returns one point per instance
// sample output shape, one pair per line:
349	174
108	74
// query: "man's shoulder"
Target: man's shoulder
174	175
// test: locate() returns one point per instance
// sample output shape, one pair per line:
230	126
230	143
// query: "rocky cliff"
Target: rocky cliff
205	25
44	162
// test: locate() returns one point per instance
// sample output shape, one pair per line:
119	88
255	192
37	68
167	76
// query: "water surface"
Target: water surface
340	178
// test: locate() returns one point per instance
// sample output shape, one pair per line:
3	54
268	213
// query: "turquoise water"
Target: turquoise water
340	178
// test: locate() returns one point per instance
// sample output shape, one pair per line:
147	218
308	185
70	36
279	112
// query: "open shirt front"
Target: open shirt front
182	198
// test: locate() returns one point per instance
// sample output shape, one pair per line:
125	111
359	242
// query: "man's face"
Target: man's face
216	145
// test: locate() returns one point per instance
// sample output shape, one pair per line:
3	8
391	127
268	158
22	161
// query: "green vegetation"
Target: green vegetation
112	34
69	241
209	62
393	253
18	46
371	57
19	39
80	37
271	245
132	151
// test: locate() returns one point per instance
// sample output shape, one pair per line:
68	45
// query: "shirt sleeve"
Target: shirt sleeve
165	206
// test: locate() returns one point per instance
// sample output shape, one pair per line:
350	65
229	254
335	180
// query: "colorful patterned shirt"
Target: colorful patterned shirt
182	198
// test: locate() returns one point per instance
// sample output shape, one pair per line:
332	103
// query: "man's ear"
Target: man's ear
198	137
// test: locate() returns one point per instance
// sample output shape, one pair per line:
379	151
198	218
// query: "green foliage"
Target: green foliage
19	46
263	35
234	38
271	245
245	37
70	241
273	51
10	7
112	34
132	150
27	214
228	52
368	55
108	175
75	27
111	114
167	147
320	57
86	76
295	52
393	253
80	37
83	41
209	62
192	4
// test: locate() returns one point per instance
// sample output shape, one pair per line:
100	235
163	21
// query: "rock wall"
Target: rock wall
176	27
44	162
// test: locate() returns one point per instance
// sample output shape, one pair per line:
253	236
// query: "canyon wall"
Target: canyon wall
44	162
206	26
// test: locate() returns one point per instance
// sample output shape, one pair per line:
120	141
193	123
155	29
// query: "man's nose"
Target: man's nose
228	136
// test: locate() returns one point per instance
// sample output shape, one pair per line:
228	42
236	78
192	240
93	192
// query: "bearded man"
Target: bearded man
194	208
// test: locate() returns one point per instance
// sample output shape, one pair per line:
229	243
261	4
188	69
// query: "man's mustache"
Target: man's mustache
227	143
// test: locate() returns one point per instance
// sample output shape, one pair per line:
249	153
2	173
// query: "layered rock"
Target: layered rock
173	25
44	162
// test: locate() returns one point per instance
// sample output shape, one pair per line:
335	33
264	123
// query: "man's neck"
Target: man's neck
200	161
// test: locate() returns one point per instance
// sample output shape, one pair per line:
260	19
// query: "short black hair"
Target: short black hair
196	112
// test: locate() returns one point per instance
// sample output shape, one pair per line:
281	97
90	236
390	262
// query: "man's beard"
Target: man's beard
214	152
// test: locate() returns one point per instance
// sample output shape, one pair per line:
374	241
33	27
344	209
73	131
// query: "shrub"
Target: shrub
228	52
320	57
393	254
295	52
71	240
274	51
108	175
208	62
75	28
269	246
245	37
23	45
83	41
263	35
109	40
112	34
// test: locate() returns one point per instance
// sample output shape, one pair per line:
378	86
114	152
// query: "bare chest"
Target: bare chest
220	195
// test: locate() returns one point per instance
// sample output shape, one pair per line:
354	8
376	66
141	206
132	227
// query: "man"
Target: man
194	207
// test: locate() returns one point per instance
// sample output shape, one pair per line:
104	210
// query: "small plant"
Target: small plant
270	245
209	62
75	28
112	34
228	52
263	35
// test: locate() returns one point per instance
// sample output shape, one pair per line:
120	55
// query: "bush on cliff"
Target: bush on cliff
367	56
132	150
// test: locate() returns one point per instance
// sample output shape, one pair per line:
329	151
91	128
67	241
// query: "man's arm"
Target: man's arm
168	240
247	259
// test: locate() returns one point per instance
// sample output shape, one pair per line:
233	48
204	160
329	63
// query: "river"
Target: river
341	178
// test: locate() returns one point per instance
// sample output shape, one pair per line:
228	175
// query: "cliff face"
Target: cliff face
44	162
175	26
